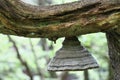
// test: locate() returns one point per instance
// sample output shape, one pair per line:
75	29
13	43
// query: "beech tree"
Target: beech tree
65	20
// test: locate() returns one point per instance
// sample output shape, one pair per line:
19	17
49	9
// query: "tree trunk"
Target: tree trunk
110	74
64	75
86	75
114	53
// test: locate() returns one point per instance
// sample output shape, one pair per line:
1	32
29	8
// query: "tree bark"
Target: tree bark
114	52
65	20
110	74
86	75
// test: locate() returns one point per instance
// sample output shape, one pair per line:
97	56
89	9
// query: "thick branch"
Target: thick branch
87	16
44	11
37	12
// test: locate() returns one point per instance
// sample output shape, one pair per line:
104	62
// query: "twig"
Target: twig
20	58
37	65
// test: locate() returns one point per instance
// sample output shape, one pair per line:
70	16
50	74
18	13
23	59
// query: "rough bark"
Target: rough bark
86	75
114	53
71	19
110	75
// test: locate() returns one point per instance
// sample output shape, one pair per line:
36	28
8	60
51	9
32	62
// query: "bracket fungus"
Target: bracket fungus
72	56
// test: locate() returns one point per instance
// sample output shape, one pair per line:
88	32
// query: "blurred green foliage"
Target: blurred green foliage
12	69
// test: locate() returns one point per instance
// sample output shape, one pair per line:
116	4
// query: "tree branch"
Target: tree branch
20	58
30	11
36	61
71	19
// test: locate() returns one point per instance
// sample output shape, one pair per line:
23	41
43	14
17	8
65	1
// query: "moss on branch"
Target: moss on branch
17	19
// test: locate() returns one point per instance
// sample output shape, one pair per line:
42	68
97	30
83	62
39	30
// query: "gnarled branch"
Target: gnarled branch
71	19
